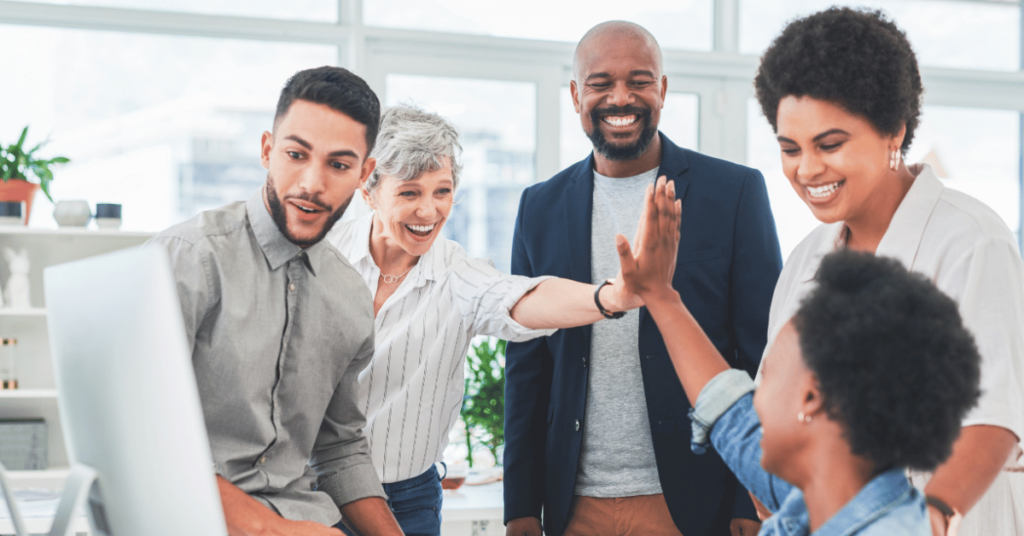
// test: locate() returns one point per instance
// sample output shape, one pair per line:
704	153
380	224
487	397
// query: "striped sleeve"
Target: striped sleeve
486	297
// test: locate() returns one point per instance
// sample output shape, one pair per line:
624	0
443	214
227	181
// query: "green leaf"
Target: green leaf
60	160
45	185
21	140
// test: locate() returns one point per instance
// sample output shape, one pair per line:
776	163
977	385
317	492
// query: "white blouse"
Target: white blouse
968	252
413	387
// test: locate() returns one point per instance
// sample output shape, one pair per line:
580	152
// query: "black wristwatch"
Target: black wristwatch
597	300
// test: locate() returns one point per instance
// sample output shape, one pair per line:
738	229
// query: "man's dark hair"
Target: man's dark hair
856	59
338	89
895	365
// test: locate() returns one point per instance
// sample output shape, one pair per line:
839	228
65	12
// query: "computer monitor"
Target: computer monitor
128	399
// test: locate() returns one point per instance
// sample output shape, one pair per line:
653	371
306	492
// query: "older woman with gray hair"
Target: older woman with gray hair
430	299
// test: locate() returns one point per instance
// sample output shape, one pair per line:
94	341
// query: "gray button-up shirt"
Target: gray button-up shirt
278	336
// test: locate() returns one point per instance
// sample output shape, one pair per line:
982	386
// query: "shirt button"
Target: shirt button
577	425
263	460
291	287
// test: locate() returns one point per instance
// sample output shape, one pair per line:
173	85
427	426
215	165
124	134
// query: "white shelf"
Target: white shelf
33	311
73	232
38	394
53	472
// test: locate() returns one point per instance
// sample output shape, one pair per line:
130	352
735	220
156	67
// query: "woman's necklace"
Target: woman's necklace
389	279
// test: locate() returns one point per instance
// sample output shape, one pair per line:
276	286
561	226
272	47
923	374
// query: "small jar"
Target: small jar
108	215
12	213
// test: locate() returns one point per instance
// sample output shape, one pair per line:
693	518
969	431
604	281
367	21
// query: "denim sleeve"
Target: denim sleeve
724	414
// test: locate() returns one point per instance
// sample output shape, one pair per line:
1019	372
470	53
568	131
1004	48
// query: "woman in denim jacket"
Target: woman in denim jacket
871	377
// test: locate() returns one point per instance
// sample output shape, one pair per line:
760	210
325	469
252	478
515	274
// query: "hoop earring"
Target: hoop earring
803	418
894	160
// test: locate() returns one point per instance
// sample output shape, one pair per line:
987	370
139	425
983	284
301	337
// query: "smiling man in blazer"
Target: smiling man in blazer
596	428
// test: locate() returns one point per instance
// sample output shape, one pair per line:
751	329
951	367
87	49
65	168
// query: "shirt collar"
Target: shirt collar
276	247
903	237
430	267
886	491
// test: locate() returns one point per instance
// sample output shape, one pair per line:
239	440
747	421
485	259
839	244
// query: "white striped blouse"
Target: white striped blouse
413	387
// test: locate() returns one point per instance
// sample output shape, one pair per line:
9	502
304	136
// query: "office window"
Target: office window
680	121
976	151
944	33
166	126
311	10
685	24
497	128
972	150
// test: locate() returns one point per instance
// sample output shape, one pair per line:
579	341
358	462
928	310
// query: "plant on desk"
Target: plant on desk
483	405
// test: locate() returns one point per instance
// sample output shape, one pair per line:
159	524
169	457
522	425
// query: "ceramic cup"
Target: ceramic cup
74	213
108	215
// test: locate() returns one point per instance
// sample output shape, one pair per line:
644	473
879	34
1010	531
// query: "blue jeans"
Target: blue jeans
416	503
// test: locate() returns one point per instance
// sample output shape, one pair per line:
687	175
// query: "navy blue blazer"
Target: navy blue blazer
728	264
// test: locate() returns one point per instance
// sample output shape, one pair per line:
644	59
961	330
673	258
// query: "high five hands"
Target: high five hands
648	267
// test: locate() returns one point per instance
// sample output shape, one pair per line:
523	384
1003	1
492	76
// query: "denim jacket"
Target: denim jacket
888	505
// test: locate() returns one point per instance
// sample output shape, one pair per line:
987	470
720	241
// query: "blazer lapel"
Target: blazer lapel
579	206
673	167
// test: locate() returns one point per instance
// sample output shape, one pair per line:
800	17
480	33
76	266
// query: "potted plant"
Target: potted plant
483	406
17	164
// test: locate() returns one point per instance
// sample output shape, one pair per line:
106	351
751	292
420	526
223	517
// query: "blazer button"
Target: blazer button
584	361
577	425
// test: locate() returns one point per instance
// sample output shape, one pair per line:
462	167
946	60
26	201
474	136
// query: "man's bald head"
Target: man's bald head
613	33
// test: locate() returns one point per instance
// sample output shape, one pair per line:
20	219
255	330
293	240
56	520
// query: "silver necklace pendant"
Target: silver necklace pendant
391	278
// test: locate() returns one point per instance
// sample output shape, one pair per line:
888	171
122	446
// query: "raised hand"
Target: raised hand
650	265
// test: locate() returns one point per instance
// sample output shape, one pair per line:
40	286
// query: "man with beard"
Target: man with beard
280	325
596	427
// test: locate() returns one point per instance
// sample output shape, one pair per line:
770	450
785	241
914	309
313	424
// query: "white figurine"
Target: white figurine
17	292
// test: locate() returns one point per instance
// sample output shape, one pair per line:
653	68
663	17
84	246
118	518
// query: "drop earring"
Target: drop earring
894	160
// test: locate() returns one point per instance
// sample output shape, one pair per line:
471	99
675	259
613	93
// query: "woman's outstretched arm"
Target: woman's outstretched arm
561	303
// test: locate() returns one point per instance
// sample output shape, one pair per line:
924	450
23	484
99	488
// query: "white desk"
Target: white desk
473	511
467	511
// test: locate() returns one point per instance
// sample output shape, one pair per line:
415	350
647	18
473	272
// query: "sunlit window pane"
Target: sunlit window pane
166	126
975	151
944	33
972	150
311	10
679	121
497	128
685	24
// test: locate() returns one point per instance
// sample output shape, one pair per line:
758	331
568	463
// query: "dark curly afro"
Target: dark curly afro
856	59
895	365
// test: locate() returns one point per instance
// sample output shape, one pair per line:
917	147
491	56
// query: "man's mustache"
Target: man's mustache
629	109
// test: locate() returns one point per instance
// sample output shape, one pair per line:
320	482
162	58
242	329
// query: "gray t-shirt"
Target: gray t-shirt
617	454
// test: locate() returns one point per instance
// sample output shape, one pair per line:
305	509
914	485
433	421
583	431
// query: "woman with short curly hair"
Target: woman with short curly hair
871	377
842	91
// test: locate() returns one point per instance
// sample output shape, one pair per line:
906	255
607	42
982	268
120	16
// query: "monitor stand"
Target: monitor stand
76	489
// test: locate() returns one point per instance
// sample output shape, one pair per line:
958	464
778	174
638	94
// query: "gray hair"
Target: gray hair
412	142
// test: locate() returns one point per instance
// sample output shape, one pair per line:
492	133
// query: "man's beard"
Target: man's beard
280	217
612	151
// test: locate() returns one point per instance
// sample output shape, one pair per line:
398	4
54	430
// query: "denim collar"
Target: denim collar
883	493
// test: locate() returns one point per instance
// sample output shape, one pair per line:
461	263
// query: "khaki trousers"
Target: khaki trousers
643	515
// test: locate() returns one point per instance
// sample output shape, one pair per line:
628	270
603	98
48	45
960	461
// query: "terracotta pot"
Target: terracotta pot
19	190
